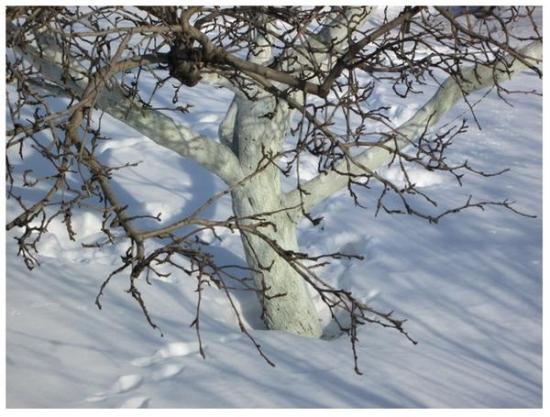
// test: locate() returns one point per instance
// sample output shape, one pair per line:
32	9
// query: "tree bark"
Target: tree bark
447	95
259	127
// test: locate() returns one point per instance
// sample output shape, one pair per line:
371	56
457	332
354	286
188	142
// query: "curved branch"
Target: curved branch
165	131
338	28
448	94
219	55
160	128
356	47
320	49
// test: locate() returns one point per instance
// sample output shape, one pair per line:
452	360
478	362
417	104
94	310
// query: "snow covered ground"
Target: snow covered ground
471	288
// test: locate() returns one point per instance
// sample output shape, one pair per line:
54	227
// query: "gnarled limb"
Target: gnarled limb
448	94
160	128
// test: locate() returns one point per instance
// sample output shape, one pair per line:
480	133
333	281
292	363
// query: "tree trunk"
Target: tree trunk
259	127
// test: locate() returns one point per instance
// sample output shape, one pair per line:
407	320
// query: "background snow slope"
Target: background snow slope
470	286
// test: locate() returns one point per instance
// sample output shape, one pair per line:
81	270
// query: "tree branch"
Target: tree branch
448	94
160	128
356	47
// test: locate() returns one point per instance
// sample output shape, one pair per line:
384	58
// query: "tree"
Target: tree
302	80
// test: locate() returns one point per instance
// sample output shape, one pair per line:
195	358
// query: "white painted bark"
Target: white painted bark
157	126
449	93
252	128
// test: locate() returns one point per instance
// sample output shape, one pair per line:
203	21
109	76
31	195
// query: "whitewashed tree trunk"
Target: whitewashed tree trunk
291	309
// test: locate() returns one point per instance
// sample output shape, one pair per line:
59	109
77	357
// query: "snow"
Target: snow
470	287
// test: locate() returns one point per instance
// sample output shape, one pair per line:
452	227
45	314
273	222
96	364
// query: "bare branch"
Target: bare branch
450	92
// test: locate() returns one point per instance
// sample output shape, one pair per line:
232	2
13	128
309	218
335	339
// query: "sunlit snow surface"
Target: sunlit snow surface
470	287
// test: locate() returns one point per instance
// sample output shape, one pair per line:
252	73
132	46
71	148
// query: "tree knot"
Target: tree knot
185	63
